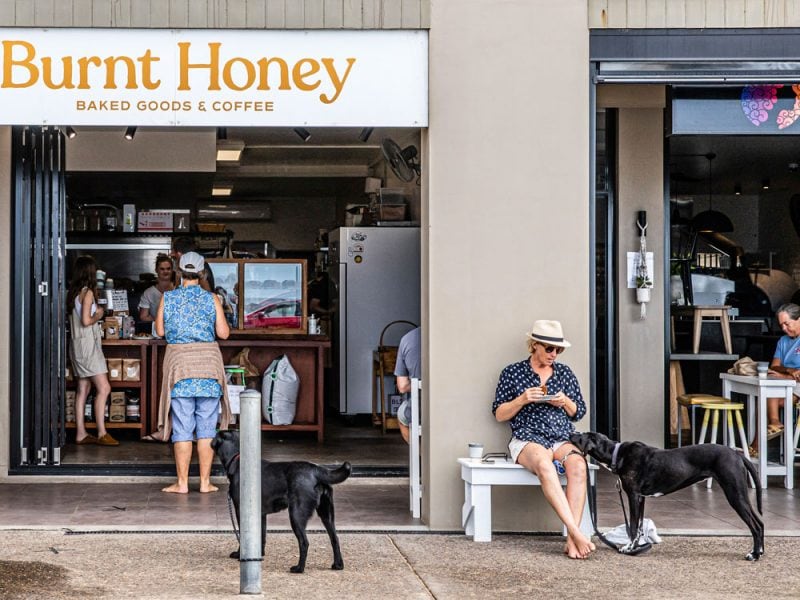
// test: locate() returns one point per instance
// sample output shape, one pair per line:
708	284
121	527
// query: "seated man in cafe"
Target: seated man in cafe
408	367
786	365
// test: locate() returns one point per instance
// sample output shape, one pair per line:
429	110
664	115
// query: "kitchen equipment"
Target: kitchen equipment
375	274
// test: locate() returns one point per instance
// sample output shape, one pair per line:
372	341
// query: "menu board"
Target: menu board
119	298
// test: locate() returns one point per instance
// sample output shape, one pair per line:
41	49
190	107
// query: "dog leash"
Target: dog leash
234	524
591	493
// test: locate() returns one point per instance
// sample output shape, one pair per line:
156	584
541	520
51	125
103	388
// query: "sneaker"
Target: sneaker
107	440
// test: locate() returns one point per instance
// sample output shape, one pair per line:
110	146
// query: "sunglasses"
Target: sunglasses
549	349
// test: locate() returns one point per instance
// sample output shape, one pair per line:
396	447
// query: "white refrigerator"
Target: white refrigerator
375	274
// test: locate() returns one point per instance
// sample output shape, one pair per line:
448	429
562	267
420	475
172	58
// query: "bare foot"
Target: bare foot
579	547
207	488
176	488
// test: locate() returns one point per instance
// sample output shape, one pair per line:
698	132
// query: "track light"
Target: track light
765	183
130	132
303	133
70	132
737	189
365	133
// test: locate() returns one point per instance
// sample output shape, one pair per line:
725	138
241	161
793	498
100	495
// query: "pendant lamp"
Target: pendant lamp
711	220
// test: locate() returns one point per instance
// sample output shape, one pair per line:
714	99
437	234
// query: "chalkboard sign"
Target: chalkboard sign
120	300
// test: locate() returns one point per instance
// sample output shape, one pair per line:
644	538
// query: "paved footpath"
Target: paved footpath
54	564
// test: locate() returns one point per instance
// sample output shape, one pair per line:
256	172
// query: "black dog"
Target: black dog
302	487
647	471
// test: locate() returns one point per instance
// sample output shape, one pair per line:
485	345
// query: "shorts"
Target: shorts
194	418
515	446
404	413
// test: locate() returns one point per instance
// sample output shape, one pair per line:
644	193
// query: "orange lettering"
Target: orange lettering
111	67
248	67
263	65
337	83
66	78
83	67
298	74
146	59
9	63
185	65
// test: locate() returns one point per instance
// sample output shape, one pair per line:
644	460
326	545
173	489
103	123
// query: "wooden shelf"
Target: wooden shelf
109	425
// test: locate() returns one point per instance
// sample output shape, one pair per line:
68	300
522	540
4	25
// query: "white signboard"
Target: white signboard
213	77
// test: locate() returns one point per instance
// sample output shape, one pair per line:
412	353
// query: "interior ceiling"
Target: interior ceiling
275	162
743	160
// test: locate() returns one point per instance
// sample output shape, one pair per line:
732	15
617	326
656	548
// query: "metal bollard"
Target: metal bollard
250	493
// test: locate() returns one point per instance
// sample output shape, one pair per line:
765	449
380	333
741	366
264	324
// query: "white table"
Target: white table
757	389
479	477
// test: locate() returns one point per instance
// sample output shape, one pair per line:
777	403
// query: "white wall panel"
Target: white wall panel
410	14
237	13
276	14
333	12
295	14
25	15
101	13
391	15
734	13
637	13
82	13
314	14
352	16
257	14
676	14
159	13
617	13
121	13
178	13
715	13
43	11
793	13
140	13
656	14
198	13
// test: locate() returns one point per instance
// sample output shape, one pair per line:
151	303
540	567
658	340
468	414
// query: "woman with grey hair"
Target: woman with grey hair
785	365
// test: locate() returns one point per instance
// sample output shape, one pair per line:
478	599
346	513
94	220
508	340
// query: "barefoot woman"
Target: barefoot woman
541	398
194	376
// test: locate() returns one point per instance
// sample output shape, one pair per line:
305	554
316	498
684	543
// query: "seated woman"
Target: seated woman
785	364
542	398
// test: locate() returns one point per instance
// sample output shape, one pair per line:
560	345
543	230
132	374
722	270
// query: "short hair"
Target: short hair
184	244
189	276
791	309
531	345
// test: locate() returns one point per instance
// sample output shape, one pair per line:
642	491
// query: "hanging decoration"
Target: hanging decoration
644	283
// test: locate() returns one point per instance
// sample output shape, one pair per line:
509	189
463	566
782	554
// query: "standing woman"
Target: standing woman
193	380
86	351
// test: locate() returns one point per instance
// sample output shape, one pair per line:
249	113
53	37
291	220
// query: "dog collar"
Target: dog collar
614	457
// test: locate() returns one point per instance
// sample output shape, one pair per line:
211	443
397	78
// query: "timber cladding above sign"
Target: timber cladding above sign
219	77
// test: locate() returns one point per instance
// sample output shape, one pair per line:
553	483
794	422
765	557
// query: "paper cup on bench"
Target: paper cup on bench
475	450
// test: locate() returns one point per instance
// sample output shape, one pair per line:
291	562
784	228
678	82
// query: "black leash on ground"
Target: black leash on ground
234	524
591	494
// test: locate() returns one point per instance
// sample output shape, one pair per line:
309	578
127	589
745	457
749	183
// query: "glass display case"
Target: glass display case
266	295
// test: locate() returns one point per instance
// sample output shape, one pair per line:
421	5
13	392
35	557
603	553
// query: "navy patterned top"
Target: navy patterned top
540	423
190	316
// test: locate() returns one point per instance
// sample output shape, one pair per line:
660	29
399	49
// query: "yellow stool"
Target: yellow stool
692	402
712	410
720	312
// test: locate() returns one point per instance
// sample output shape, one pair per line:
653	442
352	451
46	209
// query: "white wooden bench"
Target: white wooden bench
479	477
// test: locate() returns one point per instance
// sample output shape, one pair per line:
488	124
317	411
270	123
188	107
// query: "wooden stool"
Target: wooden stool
720	312
712	409
692	402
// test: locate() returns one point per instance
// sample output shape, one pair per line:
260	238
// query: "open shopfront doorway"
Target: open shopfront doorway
287	191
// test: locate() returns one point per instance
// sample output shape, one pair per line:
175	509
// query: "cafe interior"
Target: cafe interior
250	199
734	221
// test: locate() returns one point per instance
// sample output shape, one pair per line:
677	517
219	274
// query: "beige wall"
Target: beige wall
508	223
630	14
5	261
641	342
218	14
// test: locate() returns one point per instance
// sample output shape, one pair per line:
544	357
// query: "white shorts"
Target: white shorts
515	446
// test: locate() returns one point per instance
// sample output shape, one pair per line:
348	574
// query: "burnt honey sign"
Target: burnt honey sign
155	77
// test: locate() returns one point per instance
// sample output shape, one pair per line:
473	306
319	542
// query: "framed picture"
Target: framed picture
274	295
226	282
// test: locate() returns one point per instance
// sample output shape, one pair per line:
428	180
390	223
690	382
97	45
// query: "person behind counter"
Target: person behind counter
86	351
151	298
193	373
181	246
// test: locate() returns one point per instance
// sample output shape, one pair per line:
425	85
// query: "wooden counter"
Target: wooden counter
305	352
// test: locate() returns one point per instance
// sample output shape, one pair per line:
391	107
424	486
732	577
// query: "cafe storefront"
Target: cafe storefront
533	172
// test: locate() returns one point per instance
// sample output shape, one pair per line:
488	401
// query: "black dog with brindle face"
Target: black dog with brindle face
648	471
302	487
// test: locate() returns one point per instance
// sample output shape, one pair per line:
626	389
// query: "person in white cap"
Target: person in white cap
193	380
542	399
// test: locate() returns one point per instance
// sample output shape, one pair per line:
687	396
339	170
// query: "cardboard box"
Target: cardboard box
116	413
114	369
118	398
151	220
111	327
131	369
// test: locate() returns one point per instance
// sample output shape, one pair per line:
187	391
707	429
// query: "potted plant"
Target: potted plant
643	285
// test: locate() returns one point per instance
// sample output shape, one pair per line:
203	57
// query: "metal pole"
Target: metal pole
250	493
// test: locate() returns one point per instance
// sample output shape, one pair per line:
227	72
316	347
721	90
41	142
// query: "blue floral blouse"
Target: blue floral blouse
190	316
540	423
